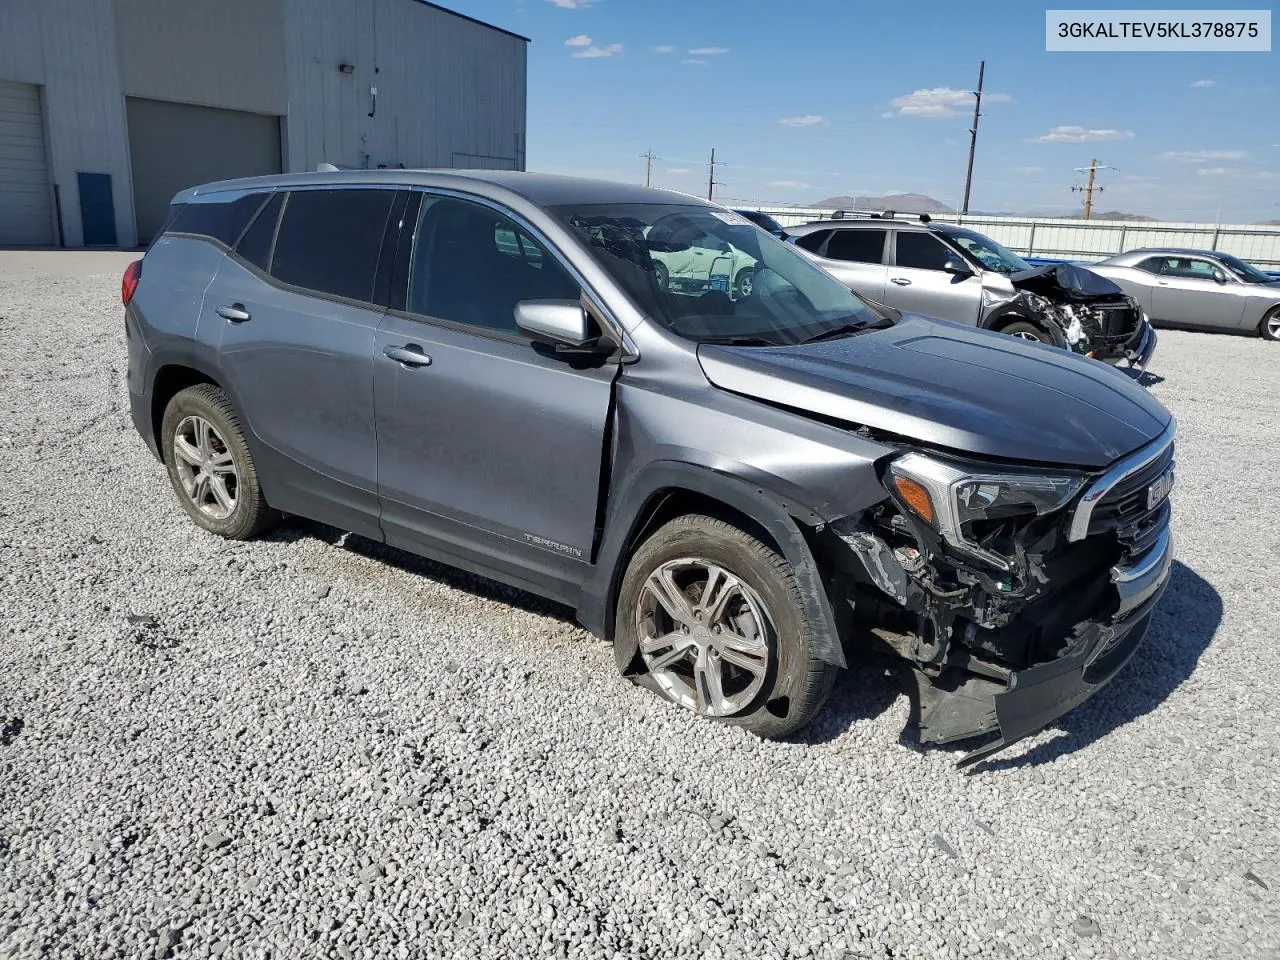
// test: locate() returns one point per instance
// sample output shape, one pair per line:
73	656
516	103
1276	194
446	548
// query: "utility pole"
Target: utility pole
1088	189
711	175
648	165
973	136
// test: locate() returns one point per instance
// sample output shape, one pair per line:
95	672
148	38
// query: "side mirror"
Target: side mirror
562	324
1219	276
957	267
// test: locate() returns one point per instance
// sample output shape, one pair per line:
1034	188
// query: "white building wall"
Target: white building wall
68	48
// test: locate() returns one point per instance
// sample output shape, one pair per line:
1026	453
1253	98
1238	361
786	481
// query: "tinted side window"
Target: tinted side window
466	268
255	245
1188	268
1151	264
220	220
813	241
859	246
921	251
329	240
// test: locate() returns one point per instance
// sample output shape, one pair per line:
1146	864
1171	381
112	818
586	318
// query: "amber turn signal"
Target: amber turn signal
915	496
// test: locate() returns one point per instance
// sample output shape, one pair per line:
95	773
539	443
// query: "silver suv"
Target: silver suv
957	274
737	491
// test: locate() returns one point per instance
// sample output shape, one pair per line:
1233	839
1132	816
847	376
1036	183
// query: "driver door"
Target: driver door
918	282
1192	291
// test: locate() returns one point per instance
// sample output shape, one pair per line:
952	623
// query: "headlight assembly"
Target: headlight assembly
952	499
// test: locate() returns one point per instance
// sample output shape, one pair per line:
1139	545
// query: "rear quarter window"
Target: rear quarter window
813	241
216	219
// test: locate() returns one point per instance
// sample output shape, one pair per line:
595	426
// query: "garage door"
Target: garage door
173	146
26	209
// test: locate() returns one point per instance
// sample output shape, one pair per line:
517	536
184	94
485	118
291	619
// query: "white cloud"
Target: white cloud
940	103
573	4
1200	156
703	62
790	184
1083	135
1028	169
1201	83
581	40
1212	171
808	120
665	48
591	52
679	171
708	51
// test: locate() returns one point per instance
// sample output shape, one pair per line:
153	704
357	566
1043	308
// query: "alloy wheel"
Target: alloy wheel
1027	335
206	467
703	636
1273	325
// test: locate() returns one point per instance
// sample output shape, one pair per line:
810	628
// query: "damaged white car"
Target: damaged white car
953	273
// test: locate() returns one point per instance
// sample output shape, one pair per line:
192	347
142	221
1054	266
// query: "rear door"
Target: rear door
296	315
919	284
1197	292
490	449
857	259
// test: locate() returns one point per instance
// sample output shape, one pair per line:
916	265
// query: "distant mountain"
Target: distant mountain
1269	223
1116	215
898	202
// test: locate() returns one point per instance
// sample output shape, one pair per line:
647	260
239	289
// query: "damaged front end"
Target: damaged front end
1090	314
1012	595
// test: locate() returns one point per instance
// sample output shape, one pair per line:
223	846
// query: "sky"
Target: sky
810	98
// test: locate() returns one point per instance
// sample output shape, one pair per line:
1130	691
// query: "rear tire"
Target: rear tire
741	652
1270	326
744	283
1025	330
662	276
210	467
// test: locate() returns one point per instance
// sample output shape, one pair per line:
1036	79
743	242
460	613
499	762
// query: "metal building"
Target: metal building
109	107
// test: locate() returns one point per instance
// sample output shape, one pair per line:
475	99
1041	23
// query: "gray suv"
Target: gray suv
958	274
737	492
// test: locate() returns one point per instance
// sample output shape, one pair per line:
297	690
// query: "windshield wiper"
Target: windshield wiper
740	341
845	329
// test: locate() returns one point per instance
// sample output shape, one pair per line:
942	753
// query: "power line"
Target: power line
973	135
711	175
648	158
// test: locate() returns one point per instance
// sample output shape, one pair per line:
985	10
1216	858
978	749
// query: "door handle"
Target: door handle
410	355
900	281
236	313
1163	283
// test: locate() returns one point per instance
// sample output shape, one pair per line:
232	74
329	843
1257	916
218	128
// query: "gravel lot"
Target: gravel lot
311	746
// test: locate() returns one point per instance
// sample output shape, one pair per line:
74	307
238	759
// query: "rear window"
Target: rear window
216	218
857	246
813	241
330	240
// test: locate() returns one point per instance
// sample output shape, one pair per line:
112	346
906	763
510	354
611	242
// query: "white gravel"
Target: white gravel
313	747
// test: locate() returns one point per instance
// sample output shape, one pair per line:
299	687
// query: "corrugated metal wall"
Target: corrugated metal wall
447	87
225	54
1096	239
68	48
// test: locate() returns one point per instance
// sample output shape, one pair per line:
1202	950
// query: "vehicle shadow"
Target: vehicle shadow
297	528
1182	627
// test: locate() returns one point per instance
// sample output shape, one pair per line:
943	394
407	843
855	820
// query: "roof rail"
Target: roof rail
882	215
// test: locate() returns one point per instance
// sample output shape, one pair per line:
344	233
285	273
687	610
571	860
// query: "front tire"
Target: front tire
662	276
1270	326
1025	330
744	283
210	467
719	624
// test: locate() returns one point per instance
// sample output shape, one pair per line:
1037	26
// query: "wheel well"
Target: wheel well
664	506
169	380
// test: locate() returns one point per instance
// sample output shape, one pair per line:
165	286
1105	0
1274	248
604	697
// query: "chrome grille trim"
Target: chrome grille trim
1127	467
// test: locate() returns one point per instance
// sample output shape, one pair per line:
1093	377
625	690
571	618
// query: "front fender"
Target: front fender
627	516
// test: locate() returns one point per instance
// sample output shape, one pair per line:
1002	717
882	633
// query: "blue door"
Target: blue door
97	210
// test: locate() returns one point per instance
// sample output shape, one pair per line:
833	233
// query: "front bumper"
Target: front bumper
1139	355
1028	700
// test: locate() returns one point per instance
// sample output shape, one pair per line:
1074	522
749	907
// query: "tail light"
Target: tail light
132	274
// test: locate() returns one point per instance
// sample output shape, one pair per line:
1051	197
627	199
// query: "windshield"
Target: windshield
709	275
1245	271
987	252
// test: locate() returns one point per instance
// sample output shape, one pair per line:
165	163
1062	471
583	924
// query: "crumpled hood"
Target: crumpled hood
953	386
1066	281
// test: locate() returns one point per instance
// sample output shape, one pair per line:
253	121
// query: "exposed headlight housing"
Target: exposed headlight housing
950	497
